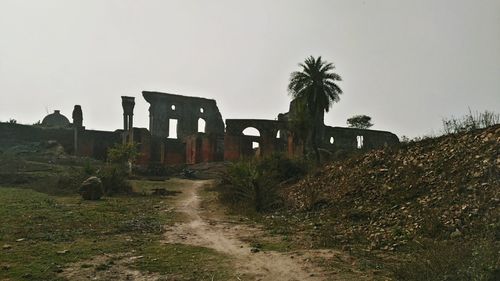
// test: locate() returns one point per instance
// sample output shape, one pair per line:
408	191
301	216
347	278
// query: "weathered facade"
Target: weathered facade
199	129
238	145
190	130
186	111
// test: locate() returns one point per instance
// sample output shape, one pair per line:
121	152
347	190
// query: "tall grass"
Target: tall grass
471	121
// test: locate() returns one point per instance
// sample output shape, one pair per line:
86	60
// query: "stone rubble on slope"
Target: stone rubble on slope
442	188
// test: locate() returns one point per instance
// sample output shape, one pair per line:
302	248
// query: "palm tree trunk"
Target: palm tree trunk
315	143
314	133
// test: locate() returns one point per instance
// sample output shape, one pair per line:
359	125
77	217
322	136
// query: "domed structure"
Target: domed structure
55	119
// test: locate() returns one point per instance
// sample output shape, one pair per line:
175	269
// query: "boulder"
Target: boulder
91	189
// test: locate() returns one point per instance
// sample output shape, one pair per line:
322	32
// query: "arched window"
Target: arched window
251	131
201	125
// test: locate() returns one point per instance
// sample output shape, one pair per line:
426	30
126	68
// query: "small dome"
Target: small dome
55	119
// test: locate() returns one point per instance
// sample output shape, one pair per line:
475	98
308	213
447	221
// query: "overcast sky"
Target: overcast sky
407	64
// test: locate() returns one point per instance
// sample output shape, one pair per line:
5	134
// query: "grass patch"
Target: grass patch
277	246
147	186
41	233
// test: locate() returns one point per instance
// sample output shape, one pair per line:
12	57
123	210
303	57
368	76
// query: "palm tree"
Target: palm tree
315	87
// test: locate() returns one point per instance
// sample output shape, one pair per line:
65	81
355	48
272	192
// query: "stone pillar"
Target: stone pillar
77	126
128	104
125	122
131	121
77	116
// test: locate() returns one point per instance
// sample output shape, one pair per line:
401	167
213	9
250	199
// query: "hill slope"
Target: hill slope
442	188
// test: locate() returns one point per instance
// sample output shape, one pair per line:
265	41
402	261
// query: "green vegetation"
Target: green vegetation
47	230
254	183
38	229
315	90
42	234
115	172
114	179
123	153
360	122
49	178
269	245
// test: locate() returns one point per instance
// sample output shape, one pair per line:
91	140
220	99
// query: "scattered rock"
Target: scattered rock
254	250
91	189
136	257
6	247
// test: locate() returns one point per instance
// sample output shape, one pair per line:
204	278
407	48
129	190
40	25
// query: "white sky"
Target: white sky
407	64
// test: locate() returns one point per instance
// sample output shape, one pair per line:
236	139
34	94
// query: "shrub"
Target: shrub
114	174
255	183
245	185
123	153
114	179
88	168
70	181
281	168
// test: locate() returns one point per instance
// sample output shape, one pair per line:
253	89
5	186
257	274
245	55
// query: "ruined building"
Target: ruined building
201	136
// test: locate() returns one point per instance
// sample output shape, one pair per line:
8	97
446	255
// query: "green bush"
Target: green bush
123	153
255	183
88	168
281	168
115	173
114	179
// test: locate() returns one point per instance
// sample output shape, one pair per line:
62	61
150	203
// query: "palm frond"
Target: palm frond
332	76
316	83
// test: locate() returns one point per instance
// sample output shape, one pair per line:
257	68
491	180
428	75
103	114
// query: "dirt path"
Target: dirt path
224	238
202	226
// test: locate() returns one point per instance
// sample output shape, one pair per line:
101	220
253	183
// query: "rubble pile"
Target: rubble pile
440	188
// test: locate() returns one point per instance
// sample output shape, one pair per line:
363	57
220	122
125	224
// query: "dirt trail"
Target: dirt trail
223	238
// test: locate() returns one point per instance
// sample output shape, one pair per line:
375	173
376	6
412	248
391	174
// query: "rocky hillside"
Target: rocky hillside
445	188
